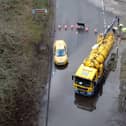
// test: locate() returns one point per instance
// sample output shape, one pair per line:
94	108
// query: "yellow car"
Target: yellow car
60	53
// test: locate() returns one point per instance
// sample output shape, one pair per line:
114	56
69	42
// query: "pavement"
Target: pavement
116	7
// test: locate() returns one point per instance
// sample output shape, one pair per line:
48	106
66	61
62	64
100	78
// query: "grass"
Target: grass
24	66
40	3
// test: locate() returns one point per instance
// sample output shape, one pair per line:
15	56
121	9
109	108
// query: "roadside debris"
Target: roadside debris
112	63
120	31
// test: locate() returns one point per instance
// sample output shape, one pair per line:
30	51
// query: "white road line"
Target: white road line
103	10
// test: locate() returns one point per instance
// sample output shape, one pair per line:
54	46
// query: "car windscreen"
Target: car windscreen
82	81
60	52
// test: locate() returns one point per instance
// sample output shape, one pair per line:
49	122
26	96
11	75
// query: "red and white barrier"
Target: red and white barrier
73	27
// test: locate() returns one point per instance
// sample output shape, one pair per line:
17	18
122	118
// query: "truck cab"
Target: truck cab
85	80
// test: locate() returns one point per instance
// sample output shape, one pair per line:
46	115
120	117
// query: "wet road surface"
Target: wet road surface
65	108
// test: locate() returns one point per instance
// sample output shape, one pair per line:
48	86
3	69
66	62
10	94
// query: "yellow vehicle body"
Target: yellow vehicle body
60	53
89	72
86	72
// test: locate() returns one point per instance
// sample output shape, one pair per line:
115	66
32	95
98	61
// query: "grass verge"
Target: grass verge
24	56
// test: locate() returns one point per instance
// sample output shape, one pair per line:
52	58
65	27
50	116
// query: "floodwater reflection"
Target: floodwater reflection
86	103
89	103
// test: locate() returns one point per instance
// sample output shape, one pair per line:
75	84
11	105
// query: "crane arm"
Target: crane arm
116	19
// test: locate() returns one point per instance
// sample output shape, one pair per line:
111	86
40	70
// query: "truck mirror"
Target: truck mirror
72	77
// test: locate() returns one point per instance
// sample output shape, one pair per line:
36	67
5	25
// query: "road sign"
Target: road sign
33	11
40	11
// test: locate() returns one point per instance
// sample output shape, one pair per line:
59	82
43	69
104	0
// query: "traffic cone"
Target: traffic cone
65	27
95	31
59	27
86	29
72	27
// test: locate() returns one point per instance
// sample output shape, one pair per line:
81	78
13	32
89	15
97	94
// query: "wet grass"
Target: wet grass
40	3
24	65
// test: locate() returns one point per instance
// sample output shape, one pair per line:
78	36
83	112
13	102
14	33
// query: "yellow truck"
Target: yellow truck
87	76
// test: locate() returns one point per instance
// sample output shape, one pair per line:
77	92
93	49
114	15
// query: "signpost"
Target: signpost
39	11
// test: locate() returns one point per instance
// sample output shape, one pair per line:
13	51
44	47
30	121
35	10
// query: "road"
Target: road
65	109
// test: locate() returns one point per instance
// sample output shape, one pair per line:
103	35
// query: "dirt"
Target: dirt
24	61
122	60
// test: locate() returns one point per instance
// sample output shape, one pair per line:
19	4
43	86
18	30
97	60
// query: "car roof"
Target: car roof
60	44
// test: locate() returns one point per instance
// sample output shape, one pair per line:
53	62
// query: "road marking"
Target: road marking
103	11
53	73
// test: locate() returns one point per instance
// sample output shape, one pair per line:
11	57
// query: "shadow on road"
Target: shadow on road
62	67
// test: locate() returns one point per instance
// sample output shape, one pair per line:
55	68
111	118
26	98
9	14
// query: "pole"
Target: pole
111	25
